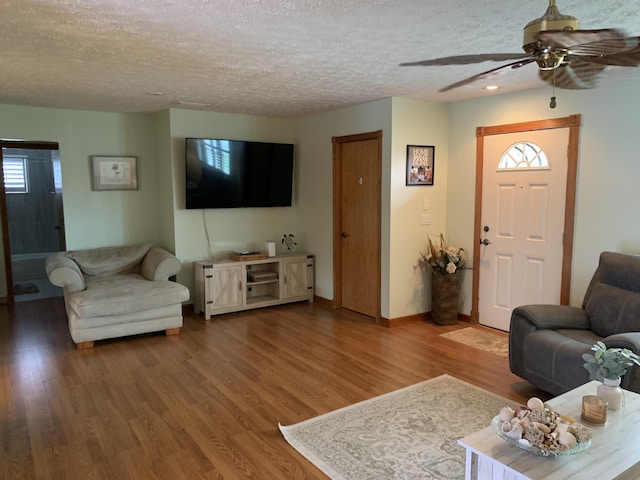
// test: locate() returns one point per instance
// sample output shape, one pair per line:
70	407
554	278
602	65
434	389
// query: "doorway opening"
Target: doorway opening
32	218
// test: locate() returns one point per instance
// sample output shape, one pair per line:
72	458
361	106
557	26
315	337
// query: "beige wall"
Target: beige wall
234	228
315	213
415	123
92	218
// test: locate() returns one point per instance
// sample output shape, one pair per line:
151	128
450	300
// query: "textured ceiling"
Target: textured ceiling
265	57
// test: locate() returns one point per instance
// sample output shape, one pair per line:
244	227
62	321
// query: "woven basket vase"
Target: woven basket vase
444	299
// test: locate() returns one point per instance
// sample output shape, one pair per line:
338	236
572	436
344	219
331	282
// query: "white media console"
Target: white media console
234	285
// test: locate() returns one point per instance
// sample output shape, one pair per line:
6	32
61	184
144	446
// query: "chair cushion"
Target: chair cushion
619	270
550	358
121	294
613	310
110	260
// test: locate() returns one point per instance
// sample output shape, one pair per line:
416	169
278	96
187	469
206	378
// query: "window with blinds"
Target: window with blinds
16	179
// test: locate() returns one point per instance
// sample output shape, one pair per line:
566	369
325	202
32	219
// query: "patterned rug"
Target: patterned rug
411	433
481	339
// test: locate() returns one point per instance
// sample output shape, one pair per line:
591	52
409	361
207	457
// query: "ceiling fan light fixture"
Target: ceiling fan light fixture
551	20
548	59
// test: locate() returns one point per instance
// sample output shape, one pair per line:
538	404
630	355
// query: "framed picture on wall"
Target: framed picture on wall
113	173
420	164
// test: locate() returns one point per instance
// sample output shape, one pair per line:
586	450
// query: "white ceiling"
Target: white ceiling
265	57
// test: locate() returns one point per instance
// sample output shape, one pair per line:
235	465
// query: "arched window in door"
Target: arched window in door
523	156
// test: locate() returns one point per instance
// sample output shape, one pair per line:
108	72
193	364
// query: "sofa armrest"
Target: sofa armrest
64	272
630	340
530	318
553	317
158	264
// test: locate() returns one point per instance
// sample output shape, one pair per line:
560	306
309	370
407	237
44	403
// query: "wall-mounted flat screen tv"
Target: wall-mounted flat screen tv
235	174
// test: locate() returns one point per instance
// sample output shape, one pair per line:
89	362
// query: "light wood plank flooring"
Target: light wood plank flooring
205	403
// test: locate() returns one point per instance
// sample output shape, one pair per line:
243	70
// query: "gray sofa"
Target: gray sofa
118	291
546	342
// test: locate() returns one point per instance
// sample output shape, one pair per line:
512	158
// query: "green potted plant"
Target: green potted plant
608	365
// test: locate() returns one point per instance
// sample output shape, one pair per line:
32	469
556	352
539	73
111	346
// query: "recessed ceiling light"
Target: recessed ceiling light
491	87
188	103
155	93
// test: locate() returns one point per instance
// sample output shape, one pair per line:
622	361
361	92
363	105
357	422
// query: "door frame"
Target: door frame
573	123
337	217
4	216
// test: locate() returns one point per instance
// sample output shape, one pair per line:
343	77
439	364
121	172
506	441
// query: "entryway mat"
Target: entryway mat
481	339
25	288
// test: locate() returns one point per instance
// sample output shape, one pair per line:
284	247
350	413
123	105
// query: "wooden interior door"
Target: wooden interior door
357	201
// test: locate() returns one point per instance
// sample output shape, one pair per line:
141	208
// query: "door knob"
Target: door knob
485	242
344	235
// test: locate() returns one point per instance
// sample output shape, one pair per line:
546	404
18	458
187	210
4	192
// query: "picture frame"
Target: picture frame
113	173
420	164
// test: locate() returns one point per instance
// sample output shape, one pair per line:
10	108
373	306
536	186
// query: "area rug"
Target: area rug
411	433
480	339
25	288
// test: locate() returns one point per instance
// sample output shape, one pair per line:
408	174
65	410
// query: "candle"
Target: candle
594	410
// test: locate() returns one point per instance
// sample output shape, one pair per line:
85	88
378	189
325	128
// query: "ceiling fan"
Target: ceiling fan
567	57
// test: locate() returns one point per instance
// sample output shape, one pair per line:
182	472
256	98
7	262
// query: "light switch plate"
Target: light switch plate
425	204
425	219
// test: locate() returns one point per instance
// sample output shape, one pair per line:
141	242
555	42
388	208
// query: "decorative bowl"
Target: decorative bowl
496	423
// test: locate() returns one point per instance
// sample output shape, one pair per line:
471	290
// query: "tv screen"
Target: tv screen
235	174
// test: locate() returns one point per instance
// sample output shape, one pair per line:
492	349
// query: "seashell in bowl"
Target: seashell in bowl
541	430
506	414
567	439
535	403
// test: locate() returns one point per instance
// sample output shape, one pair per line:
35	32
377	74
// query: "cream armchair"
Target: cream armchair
118	291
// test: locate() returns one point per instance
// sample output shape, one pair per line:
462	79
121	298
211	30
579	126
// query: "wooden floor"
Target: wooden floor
205	403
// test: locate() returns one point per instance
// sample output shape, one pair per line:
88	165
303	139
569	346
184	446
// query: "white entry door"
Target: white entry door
522	222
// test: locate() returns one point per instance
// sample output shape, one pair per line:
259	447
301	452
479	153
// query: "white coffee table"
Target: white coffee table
614	451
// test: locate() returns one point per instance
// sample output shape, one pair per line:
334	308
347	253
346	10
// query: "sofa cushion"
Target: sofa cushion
110	260
121	294
613	310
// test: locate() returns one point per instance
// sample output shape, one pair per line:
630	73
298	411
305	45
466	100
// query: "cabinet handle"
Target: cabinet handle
239	284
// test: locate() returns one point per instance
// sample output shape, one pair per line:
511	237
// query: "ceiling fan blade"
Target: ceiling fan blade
628	58
589	42
488	73
578	74
467	59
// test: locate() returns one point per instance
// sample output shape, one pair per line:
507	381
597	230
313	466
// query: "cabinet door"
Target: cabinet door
295	278
225	287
